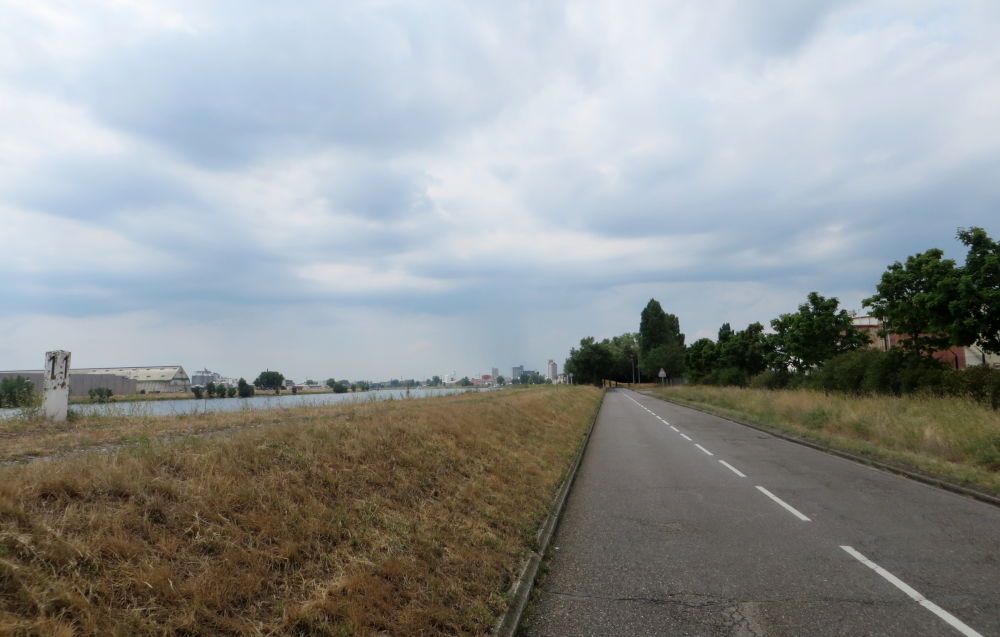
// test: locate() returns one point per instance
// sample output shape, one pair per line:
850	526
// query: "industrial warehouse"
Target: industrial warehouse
159	379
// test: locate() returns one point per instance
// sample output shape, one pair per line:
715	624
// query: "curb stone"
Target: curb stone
933	481
520	590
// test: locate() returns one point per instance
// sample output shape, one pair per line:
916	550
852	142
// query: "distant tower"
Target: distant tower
552	371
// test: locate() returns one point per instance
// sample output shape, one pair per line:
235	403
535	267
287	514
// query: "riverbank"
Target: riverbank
130	398
950	438
401	517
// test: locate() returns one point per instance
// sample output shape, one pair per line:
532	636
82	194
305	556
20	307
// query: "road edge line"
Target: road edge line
520	590
878	464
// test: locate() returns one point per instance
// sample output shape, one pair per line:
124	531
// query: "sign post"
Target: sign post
662	375
55	385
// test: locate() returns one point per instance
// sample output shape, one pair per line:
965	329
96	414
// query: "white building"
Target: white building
552	370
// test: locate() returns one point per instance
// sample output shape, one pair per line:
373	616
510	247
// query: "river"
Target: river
269	401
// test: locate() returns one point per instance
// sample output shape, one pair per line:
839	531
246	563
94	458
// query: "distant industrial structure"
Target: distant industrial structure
955	357
205	376
162	379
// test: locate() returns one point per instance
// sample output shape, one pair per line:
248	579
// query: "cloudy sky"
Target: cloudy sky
397	189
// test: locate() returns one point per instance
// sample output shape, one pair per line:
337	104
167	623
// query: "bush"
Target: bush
771	380
244	389
978	383
17	392
726	376
197	391
100	394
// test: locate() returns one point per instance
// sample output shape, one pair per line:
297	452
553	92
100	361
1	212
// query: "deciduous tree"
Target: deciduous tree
816	333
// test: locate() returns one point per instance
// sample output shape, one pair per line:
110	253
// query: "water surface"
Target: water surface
268	401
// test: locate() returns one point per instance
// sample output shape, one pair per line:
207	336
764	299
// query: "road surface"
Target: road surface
681	523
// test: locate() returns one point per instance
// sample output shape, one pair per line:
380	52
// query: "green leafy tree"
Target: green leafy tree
977	308
661	343
701	359
590	363
244	389
624	350
816	333
100	394
199	392
231	392
270	380
465	382
501	380
210	390
917	301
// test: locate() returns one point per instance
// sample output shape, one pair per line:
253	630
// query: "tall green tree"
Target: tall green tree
244	389
977	307
590	363
917	301
624	350
816	333
701	359
270	380
661	342
749	350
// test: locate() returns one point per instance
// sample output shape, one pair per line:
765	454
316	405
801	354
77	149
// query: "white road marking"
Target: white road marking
787	506
684	436
733	469
950	619
675	429
704	449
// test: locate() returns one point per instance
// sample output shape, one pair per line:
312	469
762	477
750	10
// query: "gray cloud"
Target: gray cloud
513	176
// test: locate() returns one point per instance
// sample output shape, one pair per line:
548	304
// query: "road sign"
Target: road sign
663	373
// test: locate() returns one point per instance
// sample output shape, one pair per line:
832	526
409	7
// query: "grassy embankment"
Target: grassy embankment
952	438
402	518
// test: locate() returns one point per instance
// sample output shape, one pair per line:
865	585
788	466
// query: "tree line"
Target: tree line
928	302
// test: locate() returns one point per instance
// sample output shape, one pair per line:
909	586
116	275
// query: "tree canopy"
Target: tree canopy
816	333
270	380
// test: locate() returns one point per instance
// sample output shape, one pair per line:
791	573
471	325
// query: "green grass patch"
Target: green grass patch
953	438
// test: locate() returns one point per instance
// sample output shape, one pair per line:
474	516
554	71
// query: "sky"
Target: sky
370	190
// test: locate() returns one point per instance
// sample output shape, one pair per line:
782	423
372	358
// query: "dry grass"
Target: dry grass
401	518
949	437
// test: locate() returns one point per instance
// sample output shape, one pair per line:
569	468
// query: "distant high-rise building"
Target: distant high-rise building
552	371
496	374
516	372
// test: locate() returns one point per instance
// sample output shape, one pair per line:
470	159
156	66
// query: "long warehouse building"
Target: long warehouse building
161	379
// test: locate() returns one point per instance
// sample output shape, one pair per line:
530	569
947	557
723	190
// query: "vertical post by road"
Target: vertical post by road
55	385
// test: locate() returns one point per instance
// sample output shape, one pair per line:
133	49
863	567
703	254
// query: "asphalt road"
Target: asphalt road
681	523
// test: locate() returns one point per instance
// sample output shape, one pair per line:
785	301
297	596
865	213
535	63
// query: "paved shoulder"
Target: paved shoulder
681	523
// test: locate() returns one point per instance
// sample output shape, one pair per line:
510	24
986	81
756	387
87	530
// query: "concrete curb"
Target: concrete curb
520	591
878	464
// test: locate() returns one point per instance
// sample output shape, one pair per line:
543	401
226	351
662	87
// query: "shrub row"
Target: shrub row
870	372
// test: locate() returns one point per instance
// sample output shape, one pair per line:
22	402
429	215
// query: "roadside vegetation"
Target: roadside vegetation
951	437
924	306
17	391
401	517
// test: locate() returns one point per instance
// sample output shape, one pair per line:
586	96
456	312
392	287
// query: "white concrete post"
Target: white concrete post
55	385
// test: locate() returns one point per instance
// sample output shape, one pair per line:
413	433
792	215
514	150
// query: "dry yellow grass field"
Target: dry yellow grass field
399	518
949	437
